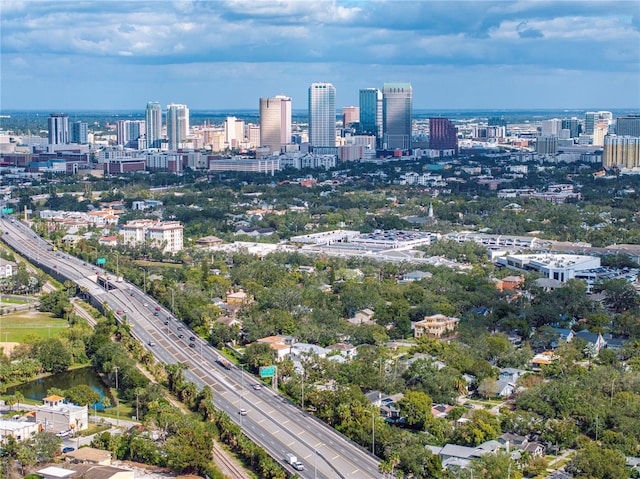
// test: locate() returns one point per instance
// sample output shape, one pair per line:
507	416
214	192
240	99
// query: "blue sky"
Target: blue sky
210	54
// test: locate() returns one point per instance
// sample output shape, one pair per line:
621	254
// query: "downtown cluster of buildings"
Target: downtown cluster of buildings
382	125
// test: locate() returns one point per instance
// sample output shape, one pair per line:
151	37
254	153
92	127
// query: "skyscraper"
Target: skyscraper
592	118
79	132
397	112
573	125
153	117
443	135
275	122
177	125
128	131
371	112
58	129
322	114
628	125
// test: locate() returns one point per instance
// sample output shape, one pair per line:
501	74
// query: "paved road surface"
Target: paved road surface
271	421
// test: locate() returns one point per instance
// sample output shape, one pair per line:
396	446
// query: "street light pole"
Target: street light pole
302	391
373	432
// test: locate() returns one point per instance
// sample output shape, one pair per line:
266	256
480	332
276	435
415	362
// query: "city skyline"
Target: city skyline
223	55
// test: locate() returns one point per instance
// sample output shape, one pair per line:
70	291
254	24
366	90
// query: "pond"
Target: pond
37	389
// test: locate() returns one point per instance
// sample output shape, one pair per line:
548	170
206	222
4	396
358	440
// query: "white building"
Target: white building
19	430
561	267
167	235
7	268
57	416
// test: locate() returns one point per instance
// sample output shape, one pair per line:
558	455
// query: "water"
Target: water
36	390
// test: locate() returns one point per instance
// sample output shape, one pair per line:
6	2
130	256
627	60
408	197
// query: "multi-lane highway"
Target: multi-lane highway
270	420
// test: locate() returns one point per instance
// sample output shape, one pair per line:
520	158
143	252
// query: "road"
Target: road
271	421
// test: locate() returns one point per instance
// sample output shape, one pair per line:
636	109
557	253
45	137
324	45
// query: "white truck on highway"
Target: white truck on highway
292	460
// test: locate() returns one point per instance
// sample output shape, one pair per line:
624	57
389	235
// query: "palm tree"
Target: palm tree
18	397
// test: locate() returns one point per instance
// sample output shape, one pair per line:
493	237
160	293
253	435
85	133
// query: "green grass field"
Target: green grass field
4	300
23	324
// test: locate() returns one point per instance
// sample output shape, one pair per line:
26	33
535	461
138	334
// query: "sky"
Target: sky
213	54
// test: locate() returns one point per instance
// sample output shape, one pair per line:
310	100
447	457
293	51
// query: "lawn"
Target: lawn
5	300
26	323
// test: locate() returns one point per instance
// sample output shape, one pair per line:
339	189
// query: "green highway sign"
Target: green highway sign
101	261
267	371
7	211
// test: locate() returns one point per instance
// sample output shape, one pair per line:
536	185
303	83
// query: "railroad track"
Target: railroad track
228	466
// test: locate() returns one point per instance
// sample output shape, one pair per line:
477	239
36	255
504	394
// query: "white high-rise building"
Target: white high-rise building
275	122
153	117
58	129
233	132
177	125
128	131
551	127
322	114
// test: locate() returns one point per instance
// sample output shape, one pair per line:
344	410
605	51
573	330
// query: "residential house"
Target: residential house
364	316
415	276
7	268
441	410
595	339
89	455
238	299
108	240
435	326
281	345
95	471
544	358
345	349
510	283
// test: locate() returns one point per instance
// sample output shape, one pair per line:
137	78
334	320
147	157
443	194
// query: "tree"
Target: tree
620	295
257	355
54	355
82	395
496	466
415	407
594	461
46	445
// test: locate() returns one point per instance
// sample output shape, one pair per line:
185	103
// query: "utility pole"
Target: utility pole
116	370
137	411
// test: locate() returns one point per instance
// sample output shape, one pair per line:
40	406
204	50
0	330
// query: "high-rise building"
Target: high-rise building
628	125
551	127
79	132
573	125
275	122
58	129
397	115
547	145
599	132
443	135
153	128
371	112
233	132
177	125
350	116
128	131
322	114
592	118
621	151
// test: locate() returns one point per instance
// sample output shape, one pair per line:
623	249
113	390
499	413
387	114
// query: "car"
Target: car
145	304
298	466
55	266
156	313
242	412
257	387
166	323
181	336
192	345
179	328
119	311
192	338
158	308
68	449
84	264
151	343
